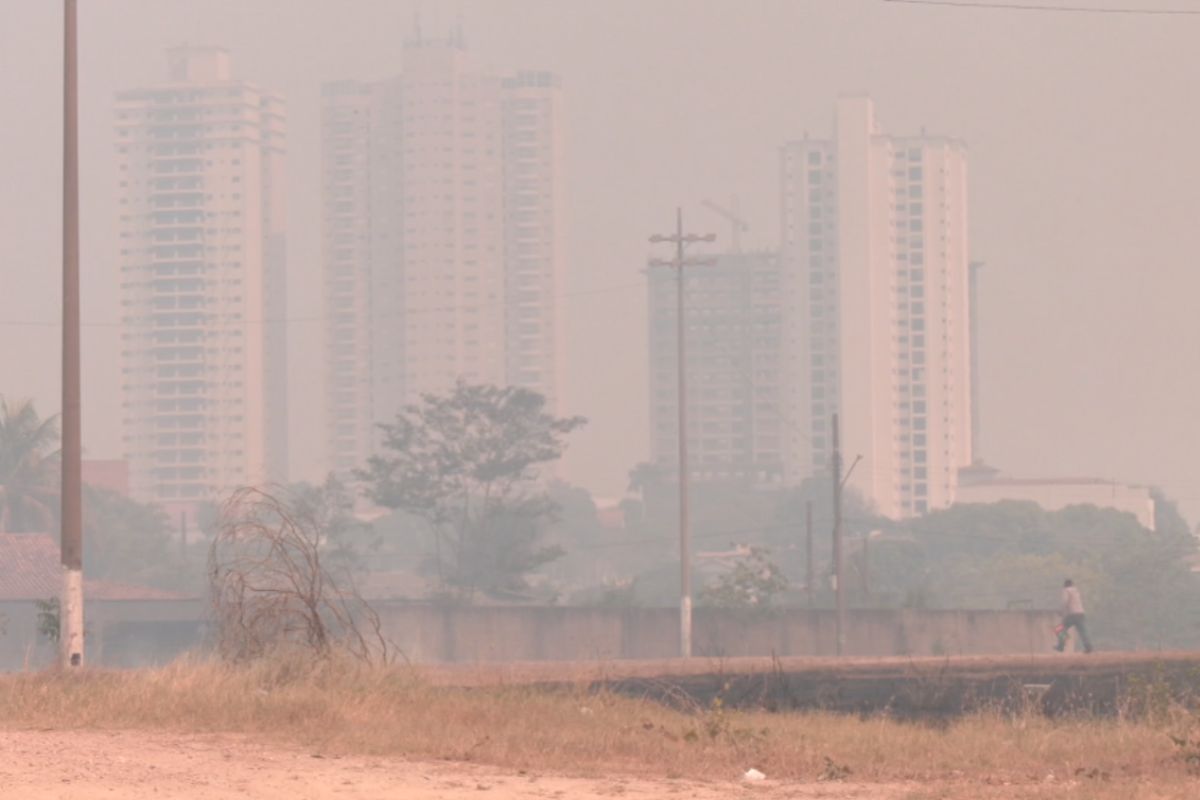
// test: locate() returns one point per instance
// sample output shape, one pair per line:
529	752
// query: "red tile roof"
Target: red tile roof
30	569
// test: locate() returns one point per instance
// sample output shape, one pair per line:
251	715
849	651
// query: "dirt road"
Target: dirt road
129	765
80	765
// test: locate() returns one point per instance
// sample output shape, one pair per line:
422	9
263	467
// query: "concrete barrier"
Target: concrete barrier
126	634
471	634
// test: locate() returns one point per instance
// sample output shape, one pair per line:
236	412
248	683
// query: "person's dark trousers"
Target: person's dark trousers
1075	621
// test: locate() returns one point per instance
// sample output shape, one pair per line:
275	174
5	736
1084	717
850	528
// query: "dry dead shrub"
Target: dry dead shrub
270	590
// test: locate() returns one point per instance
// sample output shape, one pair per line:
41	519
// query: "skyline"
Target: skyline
1052	402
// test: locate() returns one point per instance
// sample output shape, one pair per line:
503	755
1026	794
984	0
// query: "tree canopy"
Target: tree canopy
469	464
1137	583
29	469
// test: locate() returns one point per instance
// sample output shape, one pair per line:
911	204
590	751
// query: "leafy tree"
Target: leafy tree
1137	584
131	542
785	531
753	582
29	469
467	463
654	489
345	540
576	528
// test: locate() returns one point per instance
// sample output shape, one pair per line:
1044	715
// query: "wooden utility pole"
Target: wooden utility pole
866	564
680	240
839	553
71	605
808	552
839	585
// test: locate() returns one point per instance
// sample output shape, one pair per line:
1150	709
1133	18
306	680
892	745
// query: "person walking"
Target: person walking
1073	617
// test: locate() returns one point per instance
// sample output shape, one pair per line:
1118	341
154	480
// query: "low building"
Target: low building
983	484
124	625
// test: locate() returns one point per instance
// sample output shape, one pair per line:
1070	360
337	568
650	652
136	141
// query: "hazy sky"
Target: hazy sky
1085	187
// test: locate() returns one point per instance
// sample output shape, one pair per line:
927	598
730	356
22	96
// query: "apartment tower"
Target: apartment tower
203	282
442	192
876	254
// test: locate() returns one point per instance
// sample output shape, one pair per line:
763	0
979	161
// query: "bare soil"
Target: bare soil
57	765
124	765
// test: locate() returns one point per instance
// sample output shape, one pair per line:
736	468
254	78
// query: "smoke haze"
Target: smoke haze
1084	188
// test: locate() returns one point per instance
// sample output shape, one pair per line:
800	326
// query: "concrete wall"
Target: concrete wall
433	634
118	633
135	634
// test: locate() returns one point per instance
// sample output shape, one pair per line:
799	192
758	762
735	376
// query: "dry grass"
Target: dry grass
346	708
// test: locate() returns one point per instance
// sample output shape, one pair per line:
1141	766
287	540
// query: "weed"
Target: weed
340	706
1187	747
834	771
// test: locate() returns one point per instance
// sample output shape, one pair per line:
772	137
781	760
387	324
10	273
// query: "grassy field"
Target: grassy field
352	710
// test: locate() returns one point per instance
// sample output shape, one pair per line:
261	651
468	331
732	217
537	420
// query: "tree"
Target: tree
132	542
786	533
330	506
29	459
1137	583
576	529
467	463
651	484
752	582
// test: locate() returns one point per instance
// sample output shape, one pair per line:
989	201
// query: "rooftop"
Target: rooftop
30	569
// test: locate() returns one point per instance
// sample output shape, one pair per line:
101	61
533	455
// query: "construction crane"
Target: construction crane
737	225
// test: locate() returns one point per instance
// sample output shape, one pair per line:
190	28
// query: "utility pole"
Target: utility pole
681	240
71	606
808	552
866	564
839	557
839	585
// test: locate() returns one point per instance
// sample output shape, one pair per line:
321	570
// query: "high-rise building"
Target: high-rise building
203	281
737	424
876	256
443	241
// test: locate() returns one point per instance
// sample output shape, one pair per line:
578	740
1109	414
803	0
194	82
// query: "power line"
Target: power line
1001	6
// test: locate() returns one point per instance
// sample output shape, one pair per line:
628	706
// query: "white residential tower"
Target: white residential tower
876	252
443	241
203	282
